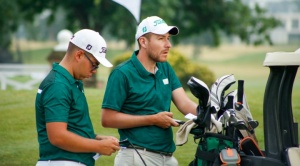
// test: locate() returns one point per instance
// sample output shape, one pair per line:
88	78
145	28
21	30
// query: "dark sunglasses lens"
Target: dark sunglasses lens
95	67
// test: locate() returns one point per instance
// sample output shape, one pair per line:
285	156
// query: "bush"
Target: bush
183	68
121	58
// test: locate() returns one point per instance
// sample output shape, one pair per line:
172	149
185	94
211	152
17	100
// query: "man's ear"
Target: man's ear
78	54
143	41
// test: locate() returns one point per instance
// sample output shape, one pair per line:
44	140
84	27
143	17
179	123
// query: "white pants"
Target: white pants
129	157
59	163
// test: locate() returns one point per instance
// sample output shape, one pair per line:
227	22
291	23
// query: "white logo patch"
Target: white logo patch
39	91
165	81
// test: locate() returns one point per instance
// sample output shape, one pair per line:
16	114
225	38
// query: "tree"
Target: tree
193	17
213	18
79	14
8	24
231	17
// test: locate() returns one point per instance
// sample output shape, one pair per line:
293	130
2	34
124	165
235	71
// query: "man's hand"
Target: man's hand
165	120
108	146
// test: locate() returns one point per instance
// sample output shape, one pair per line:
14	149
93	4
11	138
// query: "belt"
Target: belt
148	150
59	162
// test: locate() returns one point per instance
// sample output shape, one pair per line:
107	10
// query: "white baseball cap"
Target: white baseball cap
155	25
91	42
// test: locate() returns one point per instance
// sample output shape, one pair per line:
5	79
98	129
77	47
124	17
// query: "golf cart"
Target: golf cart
280	130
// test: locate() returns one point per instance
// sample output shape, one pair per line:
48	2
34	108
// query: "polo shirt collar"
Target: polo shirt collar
64	72
140	68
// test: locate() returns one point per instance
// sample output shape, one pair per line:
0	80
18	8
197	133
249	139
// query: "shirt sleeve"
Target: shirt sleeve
56	102
116	91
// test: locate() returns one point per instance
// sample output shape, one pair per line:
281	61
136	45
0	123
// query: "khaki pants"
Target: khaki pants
129	157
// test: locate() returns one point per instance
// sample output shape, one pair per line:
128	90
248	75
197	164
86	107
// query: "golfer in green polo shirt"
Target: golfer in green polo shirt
138	97
65	132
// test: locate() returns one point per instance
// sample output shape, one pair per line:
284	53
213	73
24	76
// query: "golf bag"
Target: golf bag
232	111
209	148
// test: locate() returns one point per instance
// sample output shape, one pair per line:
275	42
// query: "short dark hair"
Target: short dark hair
147	35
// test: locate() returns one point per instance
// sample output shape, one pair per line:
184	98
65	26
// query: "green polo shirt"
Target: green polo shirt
61	98
131	89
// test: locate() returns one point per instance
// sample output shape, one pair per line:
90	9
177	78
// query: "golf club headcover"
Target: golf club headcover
250	147
200	90
218	89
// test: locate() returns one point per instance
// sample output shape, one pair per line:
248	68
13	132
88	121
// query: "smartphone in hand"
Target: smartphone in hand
179	121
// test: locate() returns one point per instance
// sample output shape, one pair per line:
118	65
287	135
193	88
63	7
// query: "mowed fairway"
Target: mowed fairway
18	141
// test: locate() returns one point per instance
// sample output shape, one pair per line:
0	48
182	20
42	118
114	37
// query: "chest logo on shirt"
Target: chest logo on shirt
165	81
39	91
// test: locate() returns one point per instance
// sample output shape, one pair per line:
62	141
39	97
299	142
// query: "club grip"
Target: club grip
240	91
230	102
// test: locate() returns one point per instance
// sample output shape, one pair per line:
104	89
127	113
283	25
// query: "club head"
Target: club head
200	90
216	123
238	106
240	125
253	123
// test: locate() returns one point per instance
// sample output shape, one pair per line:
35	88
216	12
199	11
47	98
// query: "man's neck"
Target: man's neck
148	64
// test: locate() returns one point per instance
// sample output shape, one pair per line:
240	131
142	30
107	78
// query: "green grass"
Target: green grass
18	135
18	139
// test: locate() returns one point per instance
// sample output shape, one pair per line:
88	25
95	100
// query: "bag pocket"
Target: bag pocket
209	149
